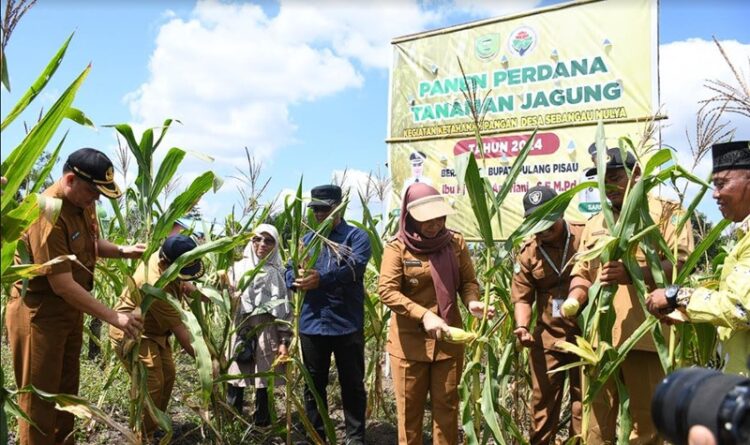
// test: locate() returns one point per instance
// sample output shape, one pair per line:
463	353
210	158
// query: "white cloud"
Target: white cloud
493	8
230	71
684	68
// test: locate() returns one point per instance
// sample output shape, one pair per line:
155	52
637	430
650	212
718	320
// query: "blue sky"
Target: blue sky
312	98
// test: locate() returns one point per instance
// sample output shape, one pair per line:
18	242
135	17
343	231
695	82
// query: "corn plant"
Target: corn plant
633	228
17	217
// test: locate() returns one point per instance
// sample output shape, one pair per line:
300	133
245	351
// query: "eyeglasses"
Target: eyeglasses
267	241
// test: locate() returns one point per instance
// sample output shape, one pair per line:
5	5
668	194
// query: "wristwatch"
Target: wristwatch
671	294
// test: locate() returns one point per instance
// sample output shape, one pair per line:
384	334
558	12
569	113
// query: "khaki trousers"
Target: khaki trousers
412	380
160	375
45	335
548	391
641	372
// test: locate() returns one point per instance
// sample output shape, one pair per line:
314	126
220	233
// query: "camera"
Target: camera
699	396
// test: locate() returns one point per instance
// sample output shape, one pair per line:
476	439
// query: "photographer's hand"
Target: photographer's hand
700	435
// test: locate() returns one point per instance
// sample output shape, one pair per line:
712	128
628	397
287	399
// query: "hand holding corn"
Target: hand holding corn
477	309
434	325
570	307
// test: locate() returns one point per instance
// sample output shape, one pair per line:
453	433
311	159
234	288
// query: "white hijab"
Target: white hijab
268	286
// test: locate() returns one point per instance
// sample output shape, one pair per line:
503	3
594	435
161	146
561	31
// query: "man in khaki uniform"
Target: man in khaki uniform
542	275
45	325
160	321
641	371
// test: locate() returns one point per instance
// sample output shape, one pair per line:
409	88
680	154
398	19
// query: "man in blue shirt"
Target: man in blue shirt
332	316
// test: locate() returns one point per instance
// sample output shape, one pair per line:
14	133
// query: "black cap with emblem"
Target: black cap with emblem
93	166
325	196
177	245
535	197
731	156
614	160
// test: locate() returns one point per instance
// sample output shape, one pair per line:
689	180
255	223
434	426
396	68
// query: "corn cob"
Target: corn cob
459	336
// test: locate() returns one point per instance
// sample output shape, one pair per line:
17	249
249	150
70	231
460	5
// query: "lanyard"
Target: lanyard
549	261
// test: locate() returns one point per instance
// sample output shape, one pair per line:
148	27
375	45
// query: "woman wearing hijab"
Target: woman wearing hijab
423	270
259	337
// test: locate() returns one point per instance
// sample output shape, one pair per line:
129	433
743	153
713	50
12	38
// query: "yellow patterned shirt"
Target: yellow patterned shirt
729	307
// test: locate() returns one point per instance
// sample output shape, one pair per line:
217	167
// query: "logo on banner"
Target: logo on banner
487	46
522	41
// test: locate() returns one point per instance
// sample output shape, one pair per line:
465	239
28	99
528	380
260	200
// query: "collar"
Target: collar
744	227
340	227
56	191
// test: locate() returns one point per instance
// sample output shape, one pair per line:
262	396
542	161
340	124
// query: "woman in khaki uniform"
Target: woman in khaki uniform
160	321
423	269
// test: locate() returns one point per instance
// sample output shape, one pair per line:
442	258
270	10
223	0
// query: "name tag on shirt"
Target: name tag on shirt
412	263
557	307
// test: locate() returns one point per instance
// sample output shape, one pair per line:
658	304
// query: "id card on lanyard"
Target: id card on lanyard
558	300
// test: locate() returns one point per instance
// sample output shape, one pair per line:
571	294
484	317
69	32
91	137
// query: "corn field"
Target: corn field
495	385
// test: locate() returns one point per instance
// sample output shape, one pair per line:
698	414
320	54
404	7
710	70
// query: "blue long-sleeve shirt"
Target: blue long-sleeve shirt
336	306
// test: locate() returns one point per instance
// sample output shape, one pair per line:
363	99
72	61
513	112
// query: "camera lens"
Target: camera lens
696	396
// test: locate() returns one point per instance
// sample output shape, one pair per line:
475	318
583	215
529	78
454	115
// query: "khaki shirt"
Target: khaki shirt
406	287
535	280
161	318
629	314
75	232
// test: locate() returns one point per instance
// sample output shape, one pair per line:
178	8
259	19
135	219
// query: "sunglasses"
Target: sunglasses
267	241
321	209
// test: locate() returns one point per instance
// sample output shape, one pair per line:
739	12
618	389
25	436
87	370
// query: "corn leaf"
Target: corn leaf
22	159
624	421
601	163
164	127
476	192
5	80
467	400
545	215
220	245
166	171
16	221
83	409
202	356
46	171
586	353
178	208
327	423
605	243
515	170
700	249
568	366
35	87
614	359
24	271
79	117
